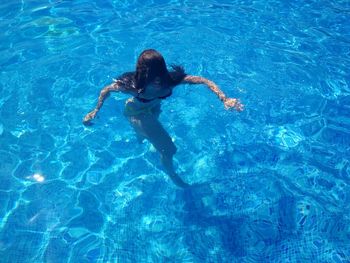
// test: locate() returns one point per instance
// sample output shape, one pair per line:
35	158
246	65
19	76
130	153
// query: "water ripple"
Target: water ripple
270	184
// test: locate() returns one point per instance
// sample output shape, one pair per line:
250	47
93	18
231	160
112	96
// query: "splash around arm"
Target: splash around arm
229	103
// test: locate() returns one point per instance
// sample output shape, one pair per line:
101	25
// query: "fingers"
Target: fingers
239	106
87	123
87	119
231	104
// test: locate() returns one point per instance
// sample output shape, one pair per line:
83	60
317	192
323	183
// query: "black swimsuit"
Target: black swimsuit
148	100
127	82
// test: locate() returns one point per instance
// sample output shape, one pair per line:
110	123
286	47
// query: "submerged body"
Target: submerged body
149	85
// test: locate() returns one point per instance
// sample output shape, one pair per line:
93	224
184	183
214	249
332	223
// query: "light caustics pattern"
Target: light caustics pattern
270	184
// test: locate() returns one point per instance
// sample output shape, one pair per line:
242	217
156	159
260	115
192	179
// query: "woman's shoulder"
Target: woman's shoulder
177	74
127	77
126	81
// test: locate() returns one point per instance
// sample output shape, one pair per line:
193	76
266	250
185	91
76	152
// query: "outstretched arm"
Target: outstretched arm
104	94
228	102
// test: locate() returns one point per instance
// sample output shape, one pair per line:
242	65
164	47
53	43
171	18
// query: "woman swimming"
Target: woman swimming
149	85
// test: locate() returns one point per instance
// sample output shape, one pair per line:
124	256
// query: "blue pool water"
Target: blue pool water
270	184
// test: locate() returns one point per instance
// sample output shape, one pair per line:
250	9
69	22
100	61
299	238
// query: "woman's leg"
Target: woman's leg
167	162
135	123
148	126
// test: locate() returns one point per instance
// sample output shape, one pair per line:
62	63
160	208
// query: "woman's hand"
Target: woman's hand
233	103
91	115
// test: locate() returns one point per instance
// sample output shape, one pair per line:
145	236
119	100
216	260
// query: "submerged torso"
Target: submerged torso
135	107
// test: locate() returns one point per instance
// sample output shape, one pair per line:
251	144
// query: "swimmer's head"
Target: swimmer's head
151	67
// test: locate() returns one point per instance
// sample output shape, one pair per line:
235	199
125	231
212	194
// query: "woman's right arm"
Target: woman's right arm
104	94
228	102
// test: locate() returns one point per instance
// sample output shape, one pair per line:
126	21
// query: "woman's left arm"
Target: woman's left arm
228	102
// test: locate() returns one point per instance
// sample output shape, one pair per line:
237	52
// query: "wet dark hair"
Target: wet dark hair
150	65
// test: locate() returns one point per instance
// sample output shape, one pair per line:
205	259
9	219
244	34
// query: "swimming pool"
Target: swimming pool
270	184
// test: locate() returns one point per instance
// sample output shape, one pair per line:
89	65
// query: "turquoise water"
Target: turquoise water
270	184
